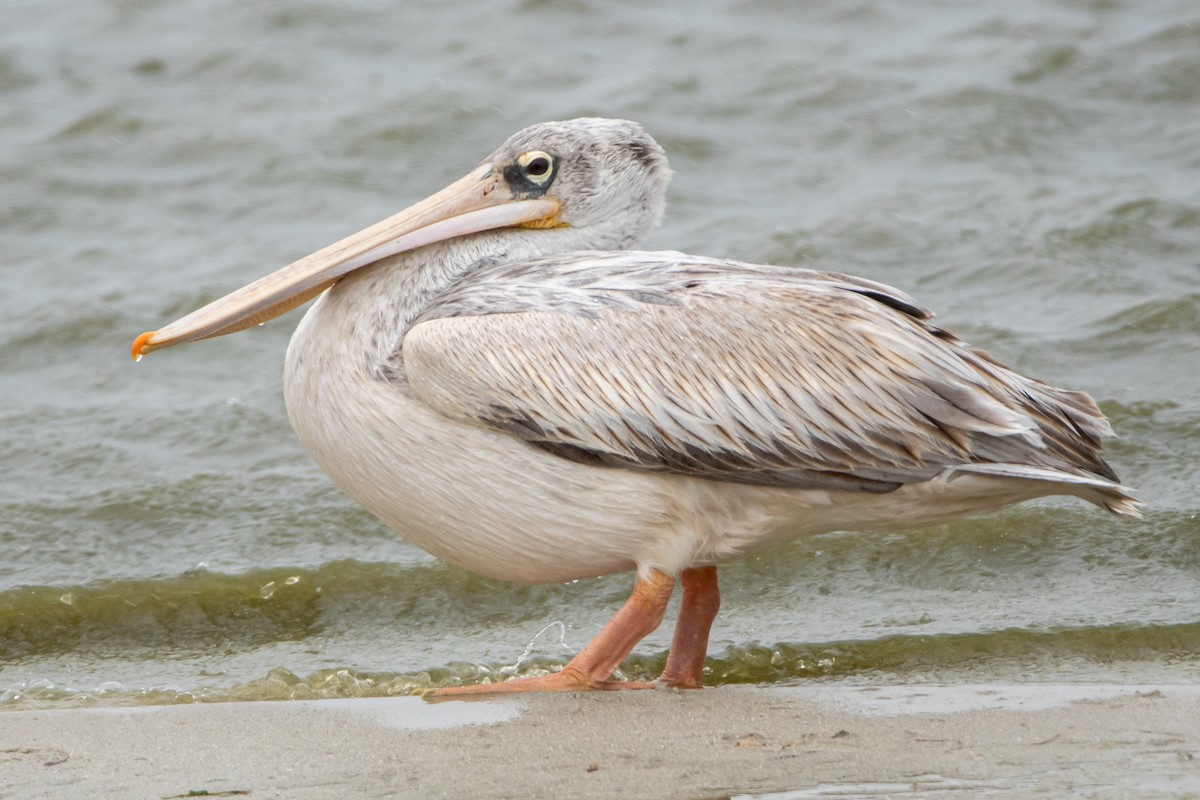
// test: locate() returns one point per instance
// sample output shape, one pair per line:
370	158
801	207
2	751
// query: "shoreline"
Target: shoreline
995	741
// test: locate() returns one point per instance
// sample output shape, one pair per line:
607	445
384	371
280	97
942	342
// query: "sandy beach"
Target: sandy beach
1094	741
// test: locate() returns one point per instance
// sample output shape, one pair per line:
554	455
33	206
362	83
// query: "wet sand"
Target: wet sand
1094	741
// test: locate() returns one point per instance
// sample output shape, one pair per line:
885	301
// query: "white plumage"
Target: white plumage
491	379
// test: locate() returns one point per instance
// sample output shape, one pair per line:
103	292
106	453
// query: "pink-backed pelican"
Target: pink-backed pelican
499	377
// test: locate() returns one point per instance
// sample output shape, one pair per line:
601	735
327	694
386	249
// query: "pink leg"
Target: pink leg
701	599
641	614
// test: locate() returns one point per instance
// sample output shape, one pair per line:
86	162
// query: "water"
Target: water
1028	171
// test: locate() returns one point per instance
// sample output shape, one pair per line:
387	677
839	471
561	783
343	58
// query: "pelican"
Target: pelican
497	375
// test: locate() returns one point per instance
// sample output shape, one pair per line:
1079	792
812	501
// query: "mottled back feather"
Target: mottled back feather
732	372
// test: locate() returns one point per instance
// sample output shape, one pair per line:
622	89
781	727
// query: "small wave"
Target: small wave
200	610
892	658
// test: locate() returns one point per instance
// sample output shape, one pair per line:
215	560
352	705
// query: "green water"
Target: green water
1030	171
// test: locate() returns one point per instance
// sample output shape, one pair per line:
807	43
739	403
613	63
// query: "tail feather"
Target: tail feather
1107	494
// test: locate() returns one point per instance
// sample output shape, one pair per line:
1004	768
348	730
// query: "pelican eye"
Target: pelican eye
537	165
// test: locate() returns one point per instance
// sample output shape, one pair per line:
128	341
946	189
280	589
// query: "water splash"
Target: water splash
529	648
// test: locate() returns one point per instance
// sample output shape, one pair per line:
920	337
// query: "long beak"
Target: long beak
478	202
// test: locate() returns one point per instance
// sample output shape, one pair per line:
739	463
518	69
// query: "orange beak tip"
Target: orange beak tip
139	345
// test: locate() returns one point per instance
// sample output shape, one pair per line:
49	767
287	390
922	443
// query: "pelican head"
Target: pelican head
581	184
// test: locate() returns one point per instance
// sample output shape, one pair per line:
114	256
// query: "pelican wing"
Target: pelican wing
733	372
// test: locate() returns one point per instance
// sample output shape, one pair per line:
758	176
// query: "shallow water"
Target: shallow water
1029	172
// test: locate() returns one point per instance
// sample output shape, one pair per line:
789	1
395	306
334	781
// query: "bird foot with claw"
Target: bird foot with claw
564	681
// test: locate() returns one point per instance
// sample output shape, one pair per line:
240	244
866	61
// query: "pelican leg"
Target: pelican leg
701	599
591	668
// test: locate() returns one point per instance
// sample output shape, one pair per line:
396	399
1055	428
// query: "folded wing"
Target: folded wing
734	372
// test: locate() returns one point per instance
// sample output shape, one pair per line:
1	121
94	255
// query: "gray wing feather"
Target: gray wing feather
733	372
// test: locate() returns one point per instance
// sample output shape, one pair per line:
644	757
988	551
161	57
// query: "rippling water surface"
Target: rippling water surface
1029	170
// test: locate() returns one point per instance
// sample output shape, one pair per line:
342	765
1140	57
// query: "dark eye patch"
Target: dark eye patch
532	178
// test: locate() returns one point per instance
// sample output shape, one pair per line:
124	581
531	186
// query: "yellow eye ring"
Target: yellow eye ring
537	165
